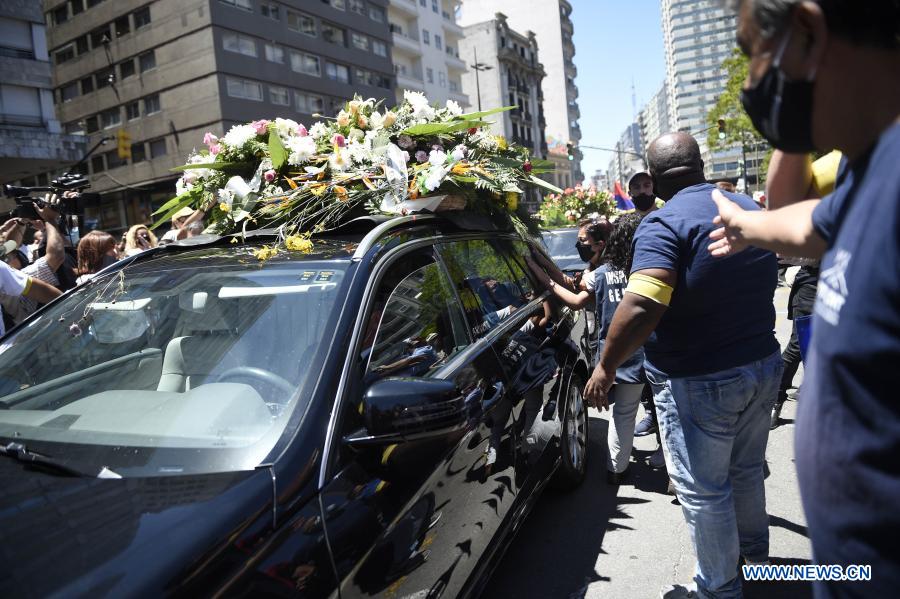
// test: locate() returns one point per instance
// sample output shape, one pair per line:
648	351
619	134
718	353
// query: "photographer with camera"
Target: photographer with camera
44	268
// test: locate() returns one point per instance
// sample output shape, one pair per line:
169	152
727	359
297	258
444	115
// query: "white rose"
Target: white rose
286	128
437	158
300	149
435	177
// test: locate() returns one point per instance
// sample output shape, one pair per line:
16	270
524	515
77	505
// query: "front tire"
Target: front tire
573	441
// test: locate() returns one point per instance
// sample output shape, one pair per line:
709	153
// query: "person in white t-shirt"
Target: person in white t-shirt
16	283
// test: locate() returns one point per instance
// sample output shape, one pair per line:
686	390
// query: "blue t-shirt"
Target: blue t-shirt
609	286
721	315
848	425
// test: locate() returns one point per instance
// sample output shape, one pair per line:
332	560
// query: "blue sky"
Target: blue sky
616	41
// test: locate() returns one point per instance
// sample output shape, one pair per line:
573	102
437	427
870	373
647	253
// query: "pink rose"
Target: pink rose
209	139
215	148
261	126
301	131
339	140
269	175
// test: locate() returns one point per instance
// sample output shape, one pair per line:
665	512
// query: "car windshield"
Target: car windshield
561	247
183	363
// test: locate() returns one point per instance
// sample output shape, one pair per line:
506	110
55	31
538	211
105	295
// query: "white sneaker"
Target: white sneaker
658	460
678	591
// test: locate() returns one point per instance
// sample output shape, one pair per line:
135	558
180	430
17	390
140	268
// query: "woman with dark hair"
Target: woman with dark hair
96	251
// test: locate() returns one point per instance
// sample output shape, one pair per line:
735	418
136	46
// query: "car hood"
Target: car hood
96	537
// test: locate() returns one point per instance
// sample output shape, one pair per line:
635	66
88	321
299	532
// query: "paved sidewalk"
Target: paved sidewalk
629	542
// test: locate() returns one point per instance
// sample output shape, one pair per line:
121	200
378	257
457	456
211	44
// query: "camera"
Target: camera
67	206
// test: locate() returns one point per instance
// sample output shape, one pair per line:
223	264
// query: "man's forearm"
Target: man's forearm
55	250
41	292
788	230
788	180
635	319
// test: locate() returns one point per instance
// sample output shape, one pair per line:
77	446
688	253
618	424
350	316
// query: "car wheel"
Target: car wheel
574	439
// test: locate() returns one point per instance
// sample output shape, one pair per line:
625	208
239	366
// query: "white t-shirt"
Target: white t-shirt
588	279
12	282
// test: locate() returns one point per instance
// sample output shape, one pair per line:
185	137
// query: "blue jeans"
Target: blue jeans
714	430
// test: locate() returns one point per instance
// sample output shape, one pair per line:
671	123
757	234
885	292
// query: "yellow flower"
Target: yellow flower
341	192
501	142
389	118
512	200
264	253
299	243
224	207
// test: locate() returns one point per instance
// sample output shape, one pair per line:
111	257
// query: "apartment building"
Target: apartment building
165	72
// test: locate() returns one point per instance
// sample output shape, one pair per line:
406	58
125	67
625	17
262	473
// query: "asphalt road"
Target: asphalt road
631	541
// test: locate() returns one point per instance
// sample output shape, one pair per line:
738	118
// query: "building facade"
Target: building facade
511	76
628	158
698	35
165	72
654	117
551	20
32	144
426	49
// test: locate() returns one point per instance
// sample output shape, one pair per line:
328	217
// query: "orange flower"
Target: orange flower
341	193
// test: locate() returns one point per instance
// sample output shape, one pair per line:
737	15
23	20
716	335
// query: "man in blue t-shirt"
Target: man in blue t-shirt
810	65
713	362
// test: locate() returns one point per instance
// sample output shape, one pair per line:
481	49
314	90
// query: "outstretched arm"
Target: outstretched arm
788	230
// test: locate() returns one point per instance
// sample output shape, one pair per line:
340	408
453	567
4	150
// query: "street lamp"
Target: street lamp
479	66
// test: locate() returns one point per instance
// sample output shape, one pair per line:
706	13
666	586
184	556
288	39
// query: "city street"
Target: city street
630	541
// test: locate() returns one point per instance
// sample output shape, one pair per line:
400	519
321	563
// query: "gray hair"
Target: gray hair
771	15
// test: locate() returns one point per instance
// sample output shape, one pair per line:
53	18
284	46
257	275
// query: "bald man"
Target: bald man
713	362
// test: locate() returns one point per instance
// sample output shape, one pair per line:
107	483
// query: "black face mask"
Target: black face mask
584	251
643	201
782	109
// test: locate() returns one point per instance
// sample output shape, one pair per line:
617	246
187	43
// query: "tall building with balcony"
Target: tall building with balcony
165	72
654	117
628	158
31	140
511	76
426	53
551	20
698	35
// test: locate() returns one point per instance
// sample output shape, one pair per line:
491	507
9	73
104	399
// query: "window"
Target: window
337	72
379	48
338	4
279	95
376	13
274	53
76	128
363	76
424	3
434	6
244	4
110	118
137	152
244	88
359	40
420	325
485	283
68	92
147	61
358	6
426	37
93	3
61	14
77	6
301	23
158	148
97	164
122	26
113	160
126	69
306	63
151	104
309	103
269	10
333	35
442	78
242	44
141	17
132	111
66	54
105	77
87	85
429	75
90	124
81	45
438	43
100	37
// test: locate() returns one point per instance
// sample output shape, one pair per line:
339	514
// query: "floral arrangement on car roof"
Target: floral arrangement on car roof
415	157
566	208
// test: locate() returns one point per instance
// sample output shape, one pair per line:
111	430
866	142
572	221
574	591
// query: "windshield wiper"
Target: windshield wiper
19	452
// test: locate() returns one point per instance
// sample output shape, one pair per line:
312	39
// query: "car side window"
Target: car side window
416	323
515	251
484	281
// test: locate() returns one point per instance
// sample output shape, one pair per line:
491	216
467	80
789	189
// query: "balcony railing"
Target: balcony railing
16	53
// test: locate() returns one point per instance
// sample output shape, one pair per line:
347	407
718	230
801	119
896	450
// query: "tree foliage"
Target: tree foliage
738	127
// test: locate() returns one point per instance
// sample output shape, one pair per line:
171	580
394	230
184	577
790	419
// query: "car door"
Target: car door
413	518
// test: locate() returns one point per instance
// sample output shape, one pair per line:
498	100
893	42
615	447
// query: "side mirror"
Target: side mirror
408	409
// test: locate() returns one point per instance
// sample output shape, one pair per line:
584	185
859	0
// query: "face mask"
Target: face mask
584	251
781	109
643	201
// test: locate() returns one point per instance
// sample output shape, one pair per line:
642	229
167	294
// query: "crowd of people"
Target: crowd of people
40	262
